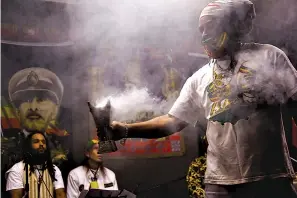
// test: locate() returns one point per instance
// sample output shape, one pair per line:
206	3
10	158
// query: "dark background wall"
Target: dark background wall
175	31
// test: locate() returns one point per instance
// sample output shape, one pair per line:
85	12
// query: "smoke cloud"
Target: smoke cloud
118	37
135	103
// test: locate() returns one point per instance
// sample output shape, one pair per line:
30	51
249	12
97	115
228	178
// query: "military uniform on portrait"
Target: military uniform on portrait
34	99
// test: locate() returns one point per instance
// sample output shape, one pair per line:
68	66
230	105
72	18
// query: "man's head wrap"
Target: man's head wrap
224	20
229	14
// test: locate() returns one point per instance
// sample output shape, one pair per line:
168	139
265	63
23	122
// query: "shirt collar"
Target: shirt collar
90	175
223	63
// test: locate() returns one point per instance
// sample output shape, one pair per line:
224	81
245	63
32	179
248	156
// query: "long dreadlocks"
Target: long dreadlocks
30	159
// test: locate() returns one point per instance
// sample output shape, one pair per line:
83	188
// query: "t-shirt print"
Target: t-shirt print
230	92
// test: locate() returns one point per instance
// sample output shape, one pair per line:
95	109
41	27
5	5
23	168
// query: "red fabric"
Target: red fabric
10	123
170	146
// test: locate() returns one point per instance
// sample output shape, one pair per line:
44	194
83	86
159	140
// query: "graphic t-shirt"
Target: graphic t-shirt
243	107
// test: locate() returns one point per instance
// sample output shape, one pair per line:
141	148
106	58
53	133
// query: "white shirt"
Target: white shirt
246	139
16	173
81	177
268	72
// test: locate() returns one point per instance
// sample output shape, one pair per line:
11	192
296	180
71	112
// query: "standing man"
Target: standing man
242	91
91	174
44	178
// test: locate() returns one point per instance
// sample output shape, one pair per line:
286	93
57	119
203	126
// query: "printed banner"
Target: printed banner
10	121
32	102
149	148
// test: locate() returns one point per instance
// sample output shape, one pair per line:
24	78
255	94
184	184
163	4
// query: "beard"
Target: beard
37	157
35	125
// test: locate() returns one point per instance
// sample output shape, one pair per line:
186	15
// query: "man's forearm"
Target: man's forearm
16	193
155	128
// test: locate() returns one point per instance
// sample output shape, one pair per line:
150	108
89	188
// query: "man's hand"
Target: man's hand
119	130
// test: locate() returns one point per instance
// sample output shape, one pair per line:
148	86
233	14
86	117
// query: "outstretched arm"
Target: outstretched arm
155	128
183	112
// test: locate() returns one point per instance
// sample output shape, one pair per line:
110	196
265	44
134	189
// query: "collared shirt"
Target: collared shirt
245	133
26	133
15	177
80	179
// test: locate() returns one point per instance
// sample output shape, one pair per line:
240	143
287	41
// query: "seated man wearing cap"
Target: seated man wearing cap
91	174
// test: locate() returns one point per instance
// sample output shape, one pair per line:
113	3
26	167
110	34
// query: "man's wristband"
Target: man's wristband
126	131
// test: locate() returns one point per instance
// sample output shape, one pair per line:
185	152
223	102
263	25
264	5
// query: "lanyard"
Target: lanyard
95	174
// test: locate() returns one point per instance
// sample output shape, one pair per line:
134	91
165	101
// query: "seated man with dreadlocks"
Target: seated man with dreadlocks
44	178
91	174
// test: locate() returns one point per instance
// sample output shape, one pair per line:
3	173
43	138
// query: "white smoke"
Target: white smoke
112	34
128	104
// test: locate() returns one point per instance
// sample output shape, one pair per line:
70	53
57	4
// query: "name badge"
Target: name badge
94	185
108	185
